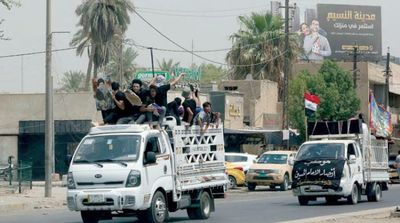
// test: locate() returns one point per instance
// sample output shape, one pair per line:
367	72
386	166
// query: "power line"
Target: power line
37	52
195	54
202	11
190	15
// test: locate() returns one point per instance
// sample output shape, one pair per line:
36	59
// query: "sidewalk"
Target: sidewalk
33	199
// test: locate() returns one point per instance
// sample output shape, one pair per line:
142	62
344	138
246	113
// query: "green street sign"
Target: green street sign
191	74
148	75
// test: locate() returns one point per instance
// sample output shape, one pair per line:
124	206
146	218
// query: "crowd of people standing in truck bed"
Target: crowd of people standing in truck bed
139	104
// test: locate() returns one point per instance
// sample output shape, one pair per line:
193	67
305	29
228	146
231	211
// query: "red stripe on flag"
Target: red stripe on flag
312	98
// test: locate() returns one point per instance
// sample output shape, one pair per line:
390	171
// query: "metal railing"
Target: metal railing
19	175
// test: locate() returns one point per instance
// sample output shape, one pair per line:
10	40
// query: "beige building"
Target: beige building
260	98
231	107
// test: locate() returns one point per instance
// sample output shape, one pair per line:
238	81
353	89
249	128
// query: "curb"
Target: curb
341	216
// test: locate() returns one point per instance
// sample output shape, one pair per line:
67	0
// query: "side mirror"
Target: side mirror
150	158
67	160
291	161
352	159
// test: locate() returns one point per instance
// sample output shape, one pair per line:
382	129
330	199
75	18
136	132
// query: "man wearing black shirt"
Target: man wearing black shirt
124	111
189	107
172	109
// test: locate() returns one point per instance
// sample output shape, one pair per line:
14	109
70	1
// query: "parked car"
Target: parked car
243	159
392	169
235	174
273	168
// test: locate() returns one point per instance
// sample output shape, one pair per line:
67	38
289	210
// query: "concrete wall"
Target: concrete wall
18	107
233	111
8	145
260	97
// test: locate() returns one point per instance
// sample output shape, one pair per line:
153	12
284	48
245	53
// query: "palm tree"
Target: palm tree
103	24
73	81
167	65
258	48
128	65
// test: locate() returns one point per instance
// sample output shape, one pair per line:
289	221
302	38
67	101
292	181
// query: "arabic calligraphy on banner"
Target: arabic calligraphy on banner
318	172
381	120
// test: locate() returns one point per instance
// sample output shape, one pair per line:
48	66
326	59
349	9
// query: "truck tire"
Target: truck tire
303	200
285	184
203	211
251	186
232	182
158	211
90	216
376	193
353	197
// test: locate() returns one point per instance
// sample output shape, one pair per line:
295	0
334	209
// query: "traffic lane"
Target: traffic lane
258	206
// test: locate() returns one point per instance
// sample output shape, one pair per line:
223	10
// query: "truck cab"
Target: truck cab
339	166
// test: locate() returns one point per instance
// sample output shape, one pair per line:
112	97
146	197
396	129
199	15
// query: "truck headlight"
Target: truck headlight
70	181
275	171
133	179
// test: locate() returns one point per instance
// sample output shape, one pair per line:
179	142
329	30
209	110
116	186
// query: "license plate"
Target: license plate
95	198
314	188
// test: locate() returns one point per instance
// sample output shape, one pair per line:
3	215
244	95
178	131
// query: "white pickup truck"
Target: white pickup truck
132	170
338	166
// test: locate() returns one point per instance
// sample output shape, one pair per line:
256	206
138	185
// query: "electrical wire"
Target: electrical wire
201	11
195	54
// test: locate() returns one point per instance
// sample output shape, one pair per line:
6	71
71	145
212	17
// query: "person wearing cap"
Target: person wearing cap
189	107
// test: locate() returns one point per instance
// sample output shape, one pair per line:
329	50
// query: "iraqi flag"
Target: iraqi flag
311	103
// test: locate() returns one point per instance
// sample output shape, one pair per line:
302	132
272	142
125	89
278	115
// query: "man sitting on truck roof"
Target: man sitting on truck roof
151	108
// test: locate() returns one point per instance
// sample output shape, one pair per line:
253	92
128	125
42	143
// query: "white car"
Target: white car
243	159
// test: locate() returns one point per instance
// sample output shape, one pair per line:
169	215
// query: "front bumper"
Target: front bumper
318	191
264	179
112	199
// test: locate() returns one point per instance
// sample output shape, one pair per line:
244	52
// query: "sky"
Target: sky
203	25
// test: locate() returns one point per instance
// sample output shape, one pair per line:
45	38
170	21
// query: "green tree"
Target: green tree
168	66
258	48
128	65
334	87
210	72
103	24
73	81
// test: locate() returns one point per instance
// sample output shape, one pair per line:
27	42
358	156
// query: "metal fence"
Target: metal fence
16	176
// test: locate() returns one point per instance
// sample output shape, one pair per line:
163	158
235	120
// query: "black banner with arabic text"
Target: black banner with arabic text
326	173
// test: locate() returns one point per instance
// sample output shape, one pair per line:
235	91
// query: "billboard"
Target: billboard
338	28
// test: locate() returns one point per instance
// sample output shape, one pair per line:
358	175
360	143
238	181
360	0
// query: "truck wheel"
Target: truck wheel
158	212
90	216
204	209
284	186
251	186
353	197
232	182
376	193
303	200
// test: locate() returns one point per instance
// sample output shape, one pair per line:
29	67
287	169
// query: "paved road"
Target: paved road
260	206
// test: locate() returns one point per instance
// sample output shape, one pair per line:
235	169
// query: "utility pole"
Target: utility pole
152	61
355	60
285	116
387	75
121	65
49	131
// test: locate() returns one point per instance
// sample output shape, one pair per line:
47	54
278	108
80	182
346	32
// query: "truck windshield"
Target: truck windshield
108	148
273	159
321	151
